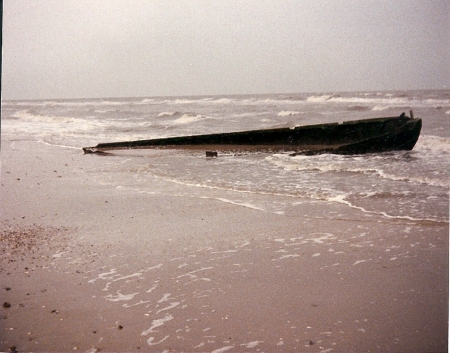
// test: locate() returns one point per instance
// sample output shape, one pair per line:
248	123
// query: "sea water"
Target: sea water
410	185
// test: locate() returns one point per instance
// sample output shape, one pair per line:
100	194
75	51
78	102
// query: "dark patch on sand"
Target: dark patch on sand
18	243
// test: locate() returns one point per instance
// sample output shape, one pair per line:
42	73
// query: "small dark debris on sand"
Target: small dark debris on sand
18	242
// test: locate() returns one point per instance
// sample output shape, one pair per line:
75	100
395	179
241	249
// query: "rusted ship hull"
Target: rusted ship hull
352	137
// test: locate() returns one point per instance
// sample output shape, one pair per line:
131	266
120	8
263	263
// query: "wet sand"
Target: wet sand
90	267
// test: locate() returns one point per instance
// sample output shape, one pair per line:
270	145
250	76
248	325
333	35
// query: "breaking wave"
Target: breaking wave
288	113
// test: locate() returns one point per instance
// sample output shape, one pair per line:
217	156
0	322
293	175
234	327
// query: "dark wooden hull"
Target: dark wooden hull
352	137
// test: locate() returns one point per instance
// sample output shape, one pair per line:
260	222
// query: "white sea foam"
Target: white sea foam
247	205
191	273
288	113
380	107
183	101
151	340
125	305
171	306
319	99
153	267
30	117
137	274
64	103
187	119
119	297
157	323
289	256
221	101
251	344
115	103
165	298
104	111
167	114
326	163
105	276
55	130
224	252
434	144
390	101
341	199
323	238
361	261
147	100
223	349
152	289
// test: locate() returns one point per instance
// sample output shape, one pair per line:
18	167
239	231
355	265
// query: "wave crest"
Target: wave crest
187	119
288	113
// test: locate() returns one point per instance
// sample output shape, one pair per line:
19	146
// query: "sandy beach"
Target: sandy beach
92	267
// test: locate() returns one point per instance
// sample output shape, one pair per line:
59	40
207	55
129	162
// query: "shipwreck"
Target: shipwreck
350	137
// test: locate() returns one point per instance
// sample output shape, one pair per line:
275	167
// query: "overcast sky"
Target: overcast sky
142	48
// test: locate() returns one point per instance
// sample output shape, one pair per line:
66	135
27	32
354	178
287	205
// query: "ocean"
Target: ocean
409	185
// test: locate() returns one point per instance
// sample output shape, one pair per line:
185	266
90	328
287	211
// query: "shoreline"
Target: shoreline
107	269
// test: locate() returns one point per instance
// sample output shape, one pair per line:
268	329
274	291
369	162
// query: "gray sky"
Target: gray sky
119	48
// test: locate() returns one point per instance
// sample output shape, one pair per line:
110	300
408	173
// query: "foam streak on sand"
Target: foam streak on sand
223	349
137	274
251	344
120	297
157	323
288	256
341	199
320	240
136	304
151	339
242	204
104	276
165	298
361	261
191	273
171	306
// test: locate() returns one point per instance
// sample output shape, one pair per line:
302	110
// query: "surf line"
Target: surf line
341	199
248	205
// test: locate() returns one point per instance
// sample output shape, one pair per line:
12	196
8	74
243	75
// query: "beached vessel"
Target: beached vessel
350	137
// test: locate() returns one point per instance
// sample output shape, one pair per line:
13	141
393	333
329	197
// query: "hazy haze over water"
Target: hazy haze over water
118	48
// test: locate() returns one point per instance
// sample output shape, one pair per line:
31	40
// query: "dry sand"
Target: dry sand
89	267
